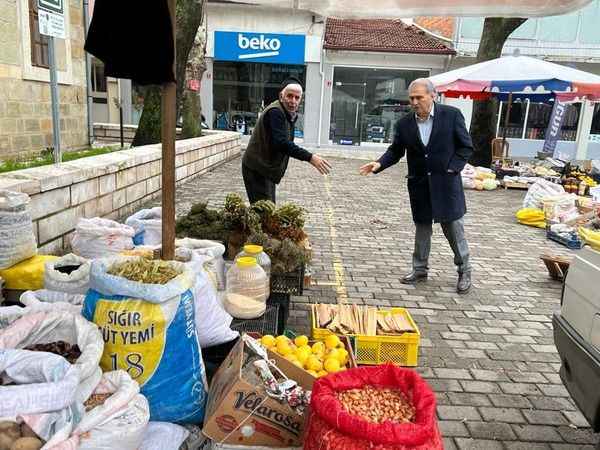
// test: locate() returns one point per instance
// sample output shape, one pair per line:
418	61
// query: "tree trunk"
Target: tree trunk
188	17
191	126
196	66
483	123
148	130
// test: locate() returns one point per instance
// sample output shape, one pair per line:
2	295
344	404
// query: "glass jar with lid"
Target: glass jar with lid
247	289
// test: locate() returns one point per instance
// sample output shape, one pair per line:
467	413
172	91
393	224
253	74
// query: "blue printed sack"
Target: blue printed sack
149	331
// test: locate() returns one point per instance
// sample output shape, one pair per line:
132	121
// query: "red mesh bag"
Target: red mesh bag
330	427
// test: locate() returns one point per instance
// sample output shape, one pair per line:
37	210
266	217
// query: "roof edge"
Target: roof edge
446	52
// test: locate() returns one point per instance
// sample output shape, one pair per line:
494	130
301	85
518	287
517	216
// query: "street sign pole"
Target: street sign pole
55	100
51	23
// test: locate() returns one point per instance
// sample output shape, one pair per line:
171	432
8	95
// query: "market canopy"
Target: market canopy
523	76
410	8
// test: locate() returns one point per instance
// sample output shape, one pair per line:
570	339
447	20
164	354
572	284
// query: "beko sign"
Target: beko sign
259	47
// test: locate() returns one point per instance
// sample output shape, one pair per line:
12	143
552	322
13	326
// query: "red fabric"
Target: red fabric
330	427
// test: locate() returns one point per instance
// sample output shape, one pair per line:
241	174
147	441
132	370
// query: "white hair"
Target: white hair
423	82
295	86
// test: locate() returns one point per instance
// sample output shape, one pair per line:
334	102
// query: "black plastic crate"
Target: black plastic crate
266	324
282	301
288	283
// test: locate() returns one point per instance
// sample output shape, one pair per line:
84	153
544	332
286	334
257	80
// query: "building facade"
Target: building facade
572	39
25	108
355	73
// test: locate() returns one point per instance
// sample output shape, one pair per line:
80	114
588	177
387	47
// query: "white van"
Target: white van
577	334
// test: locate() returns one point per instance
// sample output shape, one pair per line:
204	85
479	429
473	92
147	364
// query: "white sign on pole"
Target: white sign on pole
51	24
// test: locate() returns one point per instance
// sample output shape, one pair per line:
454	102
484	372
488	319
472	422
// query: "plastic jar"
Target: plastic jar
247	289
257	252
263	260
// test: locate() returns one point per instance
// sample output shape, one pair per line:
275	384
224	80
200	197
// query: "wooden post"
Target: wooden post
168	112
508	106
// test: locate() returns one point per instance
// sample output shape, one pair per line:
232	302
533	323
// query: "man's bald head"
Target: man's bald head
291	96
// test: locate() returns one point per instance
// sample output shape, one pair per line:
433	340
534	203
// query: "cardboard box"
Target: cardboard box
289	368
241	413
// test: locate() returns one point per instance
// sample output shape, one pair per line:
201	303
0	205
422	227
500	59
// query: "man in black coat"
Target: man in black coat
272	144
437	147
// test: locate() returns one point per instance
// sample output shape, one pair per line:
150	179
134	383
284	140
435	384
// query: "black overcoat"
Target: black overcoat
434	182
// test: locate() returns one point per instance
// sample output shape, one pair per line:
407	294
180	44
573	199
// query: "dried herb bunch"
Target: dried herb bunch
238	217
285	222
143	270
286	256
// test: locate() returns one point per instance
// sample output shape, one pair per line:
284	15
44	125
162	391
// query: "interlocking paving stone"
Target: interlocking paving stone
496	431
478	444
458	413
507	415
365	225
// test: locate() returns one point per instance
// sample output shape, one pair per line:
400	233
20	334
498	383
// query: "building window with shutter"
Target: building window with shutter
39	43
98	77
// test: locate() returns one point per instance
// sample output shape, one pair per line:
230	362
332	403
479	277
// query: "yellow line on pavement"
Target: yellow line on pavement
338	267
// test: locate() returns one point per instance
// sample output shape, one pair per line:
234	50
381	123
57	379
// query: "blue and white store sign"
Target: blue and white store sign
259	47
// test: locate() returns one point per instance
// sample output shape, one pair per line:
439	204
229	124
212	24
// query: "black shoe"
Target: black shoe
414	277
464	283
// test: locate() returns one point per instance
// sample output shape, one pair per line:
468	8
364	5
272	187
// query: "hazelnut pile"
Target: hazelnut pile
377	405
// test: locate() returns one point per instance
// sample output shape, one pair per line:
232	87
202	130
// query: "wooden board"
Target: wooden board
515	185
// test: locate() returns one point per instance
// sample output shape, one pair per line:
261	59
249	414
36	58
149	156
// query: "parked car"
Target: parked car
577	334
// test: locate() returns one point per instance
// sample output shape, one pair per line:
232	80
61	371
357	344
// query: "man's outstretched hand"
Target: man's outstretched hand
321	164
369	168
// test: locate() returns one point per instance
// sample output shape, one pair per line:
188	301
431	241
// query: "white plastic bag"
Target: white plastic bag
97	238
214	322
17	240
147	225
164	436
43	394
150	331
75	282
212	260
120	422
539	191
45	300
43	327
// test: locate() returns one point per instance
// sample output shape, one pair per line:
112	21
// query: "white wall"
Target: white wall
433	63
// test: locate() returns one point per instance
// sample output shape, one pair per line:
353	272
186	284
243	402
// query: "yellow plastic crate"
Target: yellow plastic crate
372	350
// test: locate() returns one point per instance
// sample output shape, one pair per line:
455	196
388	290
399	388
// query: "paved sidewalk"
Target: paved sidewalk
489	355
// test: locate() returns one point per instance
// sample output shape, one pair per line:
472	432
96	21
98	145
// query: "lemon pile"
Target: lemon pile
319	359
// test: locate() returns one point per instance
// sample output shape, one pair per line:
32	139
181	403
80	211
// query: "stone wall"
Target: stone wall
106	133
113	185
25	112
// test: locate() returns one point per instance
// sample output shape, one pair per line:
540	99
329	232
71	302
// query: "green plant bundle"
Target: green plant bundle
286	256
238	217
202	223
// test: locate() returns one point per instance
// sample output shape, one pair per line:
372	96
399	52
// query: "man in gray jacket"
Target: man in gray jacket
272	143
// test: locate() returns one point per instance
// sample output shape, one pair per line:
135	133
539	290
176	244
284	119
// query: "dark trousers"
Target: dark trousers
257	186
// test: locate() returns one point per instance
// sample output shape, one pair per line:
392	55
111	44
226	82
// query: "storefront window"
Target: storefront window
537	121
367	103
595	129
242	90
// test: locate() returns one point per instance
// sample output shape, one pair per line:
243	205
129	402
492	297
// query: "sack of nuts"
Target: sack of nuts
381	407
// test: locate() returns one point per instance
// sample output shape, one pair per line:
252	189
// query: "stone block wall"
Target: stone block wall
25	111
113	185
